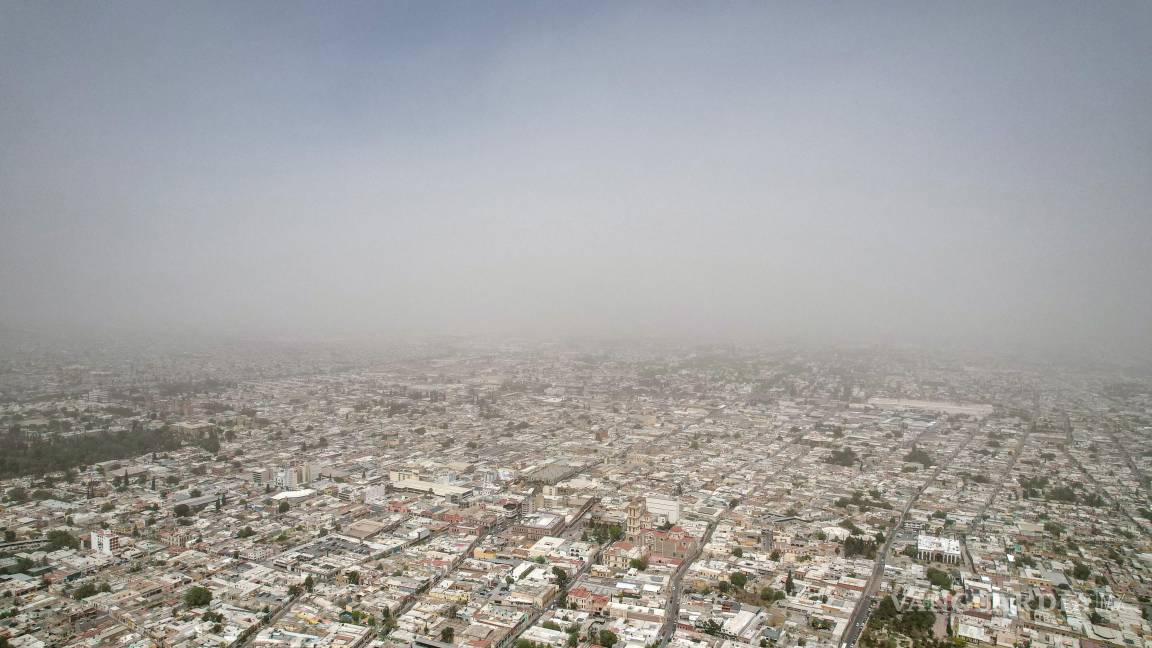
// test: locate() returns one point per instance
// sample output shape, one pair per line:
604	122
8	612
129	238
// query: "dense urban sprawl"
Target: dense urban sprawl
541	497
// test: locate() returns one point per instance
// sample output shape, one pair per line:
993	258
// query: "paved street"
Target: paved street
860	615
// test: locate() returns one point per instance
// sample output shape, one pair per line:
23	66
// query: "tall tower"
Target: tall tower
636	514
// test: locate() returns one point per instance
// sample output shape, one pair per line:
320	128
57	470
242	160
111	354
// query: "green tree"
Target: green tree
939	578
770	595
84	591
886	610
561	577
918	456
26	456
283	508
854	546
1080	571
846	457
60	539
197	596
607	638
712	627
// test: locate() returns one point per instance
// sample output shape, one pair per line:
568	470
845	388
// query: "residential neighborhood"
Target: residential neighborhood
541	498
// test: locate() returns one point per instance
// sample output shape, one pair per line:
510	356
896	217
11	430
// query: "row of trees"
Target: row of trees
858	499
857	546
21	455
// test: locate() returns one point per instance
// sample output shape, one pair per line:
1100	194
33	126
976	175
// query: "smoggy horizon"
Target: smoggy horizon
973	174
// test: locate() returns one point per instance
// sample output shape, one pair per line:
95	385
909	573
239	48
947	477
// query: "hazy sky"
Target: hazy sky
965	171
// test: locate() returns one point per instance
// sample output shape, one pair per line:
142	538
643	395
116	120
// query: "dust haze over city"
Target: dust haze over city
974	175
576	325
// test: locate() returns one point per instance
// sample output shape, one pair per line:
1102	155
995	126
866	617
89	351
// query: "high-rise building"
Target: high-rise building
105	542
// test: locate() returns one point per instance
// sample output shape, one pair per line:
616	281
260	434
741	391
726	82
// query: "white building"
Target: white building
662	509
933	548
105	542
376	494
298	475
